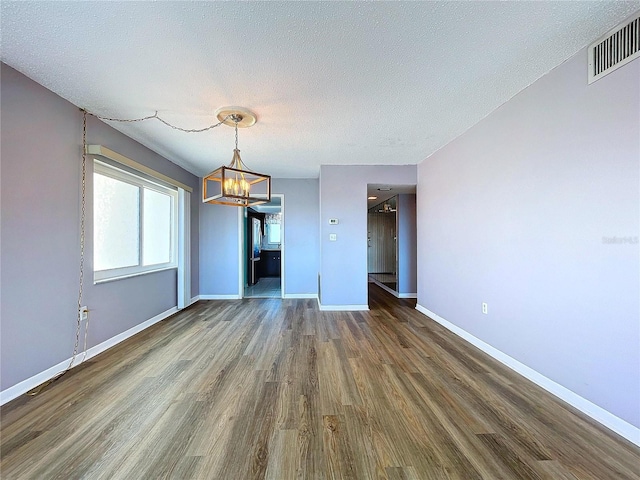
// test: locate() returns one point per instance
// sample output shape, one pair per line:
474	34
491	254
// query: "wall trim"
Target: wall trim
599	414
407	295
342	308
234	296
301	295
32	382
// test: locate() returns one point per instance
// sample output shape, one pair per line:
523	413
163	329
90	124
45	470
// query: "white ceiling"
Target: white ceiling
330	82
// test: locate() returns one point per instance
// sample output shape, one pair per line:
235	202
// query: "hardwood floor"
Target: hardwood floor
270	388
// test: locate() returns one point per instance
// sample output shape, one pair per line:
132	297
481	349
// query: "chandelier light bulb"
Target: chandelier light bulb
237	186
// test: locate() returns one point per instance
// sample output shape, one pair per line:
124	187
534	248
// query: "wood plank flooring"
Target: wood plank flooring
270	388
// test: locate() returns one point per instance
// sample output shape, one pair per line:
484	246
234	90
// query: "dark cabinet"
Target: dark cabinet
270	263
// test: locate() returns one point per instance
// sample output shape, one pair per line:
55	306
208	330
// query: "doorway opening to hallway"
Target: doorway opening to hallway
392	238
263	249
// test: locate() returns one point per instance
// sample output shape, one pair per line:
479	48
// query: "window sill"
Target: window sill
131	275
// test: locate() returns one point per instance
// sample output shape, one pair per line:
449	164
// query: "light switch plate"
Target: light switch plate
333	237
333	221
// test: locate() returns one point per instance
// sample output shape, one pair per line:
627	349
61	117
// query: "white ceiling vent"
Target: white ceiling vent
615	49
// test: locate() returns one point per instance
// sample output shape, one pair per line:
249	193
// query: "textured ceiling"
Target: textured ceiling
330	82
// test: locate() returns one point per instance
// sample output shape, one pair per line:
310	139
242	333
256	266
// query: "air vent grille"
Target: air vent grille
617	48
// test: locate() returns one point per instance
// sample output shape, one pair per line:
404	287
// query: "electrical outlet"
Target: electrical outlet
84	313
485	308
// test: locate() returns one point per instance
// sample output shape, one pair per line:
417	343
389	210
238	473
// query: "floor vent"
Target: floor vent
615	49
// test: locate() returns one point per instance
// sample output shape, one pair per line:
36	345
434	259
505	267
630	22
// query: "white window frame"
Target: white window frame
269	234
116	173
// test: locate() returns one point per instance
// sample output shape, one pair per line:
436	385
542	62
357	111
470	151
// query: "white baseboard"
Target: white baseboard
407	295
32	382
342	308
220	297
193	300
301	295
599	414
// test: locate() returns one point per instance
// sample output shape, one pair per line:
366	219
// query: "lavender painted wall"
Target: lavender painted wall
343	195
301	234
407	244
518	213
40	195
219	250
219	241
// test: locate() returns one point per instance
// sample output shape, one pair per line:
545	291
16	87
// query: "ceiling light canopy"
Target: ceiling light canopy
235	184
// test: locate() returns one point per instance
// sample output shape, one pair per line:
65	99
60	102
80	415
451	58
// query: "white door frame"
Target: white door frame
242	246
184	248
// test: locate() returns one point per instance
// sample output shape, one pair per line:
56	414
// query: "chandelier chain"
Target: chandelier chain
155	115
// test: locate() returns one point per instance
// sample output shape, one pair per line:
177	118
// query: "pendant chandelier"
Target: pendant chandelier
235	184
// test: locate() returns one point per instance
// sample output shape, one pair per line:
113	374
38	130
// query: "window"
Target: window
134	224
274	232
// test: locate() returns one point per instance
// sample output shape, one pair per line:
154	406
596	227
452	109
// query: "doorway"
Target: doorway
382	244
392	238
263	249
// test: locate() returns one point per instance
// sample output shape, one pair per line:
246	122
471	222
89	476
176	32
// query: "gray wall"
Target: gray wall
219	241
343	195
519	211
407	244
40	196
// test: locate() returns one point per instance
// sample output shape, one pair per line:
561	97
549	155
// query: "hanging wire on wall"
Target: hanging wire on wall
83	215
